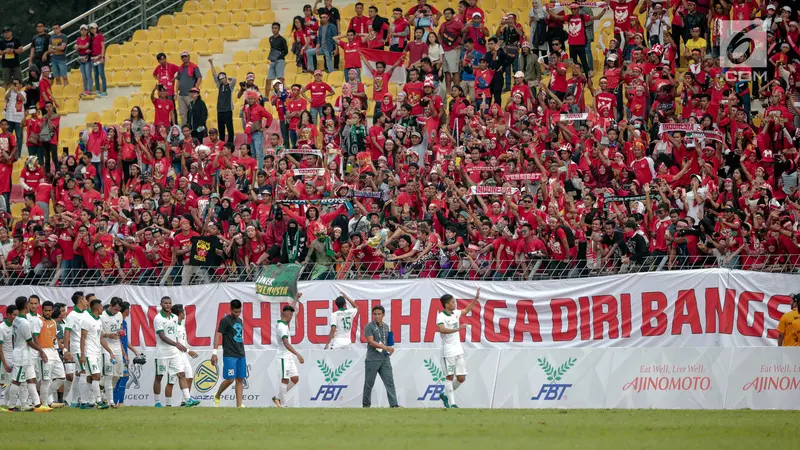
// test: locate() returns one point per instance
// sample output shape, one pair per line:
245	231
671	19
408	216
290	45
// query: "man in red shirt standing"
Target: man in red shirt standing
257	119
576	33
320	91
294	108
360	23
351	47
165	108
164	73
450	38
399	32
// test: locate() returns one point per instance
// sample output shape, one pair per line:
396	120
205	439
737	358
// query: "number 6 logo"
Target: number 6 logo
743	44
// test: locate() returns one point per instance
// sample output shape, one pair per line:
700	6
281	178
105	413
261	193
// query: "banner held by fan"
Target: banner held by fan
278	282
388	58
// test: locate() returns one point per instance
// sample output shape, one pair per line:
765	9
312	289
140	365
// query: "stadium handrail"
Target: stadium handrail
117	20
534	269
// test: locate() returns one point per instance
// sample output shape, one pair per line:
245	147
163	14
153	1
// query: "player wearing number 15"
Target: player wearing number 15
452	352
168	352
342	323
92	344
230	333
286	353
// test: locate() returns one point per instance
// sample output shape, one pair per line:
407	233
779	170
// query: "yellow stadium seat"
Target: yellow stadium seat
255	56
260	70
263	5
243	31
67	133
130	62
201	48
70	106
122	115
108	117
247	5
223	17
155	48
92	117
186	45
229	32
180	19
233	5
121	102
126	49
264	44
121	78
267	16
197	32
112	50
166	21
73	90
240	58
205	6
154	34
195	18
216	46
209	18
213	31
135	76
219	5
170	47
141	48
110	77
338	78
139	36
168	34
190	6
58	91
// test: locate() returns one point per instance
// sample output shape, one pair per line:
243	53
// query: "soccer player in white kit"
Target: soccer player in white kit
452	351
286	353
76	377
92	346
7	352
183	359
24	347
168	349
342	323
111	320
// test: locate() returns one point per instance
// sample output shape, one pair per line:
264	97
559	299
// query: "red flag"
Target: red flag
388	58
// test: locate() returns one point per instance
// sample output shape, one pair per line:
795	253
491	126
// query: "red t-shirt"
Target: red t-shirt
380	86
164	108
576	28
415	51
558	82
165	75
294	106
318	91
622	13
451	29
352	58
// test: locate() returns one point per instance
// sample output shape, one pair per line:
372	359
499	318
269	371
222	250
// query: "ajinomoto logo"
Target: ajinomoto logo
433	391
331	391
553	390
205	377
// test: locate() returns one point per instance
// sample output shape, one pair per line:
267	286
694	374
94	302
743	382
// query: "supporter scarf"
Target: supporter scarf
383	195
484	169
522	176
566	5
492	190
328	249
292	244
311	171
302	151
322	201
573	117
670	127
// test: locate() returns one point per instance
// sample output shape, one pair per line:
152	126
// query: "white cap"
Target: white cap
771	7
274	82
93	25
84	27
787	8
519	74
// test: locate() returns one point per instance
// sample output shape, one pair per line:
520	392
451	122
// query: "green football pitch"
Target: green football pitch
418	429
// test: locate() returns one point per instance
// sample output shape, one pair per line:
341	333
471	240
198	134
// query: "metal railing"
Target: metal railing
465	268
117	20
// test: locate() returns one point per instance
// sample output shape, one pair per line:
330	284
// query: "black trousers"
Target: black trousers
225	122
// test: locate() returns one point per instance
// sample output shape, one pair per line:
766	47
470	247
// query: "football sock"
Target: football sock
96	391
284	390
34	396
157	398
186	395
67	390
53	394
45	391
109	389
12	394
84	390
451	395
456	384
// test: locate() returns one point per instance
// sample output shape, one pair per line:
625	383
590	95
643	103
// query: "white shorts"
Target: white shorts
53	369
184	365
5	377
338	345
287	367
23	373
116	370
94	365
455	365
166	366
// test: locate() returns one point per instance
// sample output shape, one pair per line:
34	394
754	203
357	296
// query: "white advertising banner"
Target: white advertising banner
673	378
624	378
699	308
764	378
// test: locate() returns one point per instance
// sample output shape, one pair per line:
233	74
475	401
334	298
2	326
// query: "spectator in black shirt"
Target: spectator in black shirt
10	49
205	253
39	45
278	49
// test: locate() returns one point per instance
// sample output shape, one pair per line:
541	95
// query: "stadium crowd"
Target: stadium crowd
507	153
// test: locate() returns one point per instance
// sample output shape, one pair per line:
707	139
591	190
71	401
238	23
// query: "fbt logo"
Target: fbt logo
433	391
330	391
553	390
